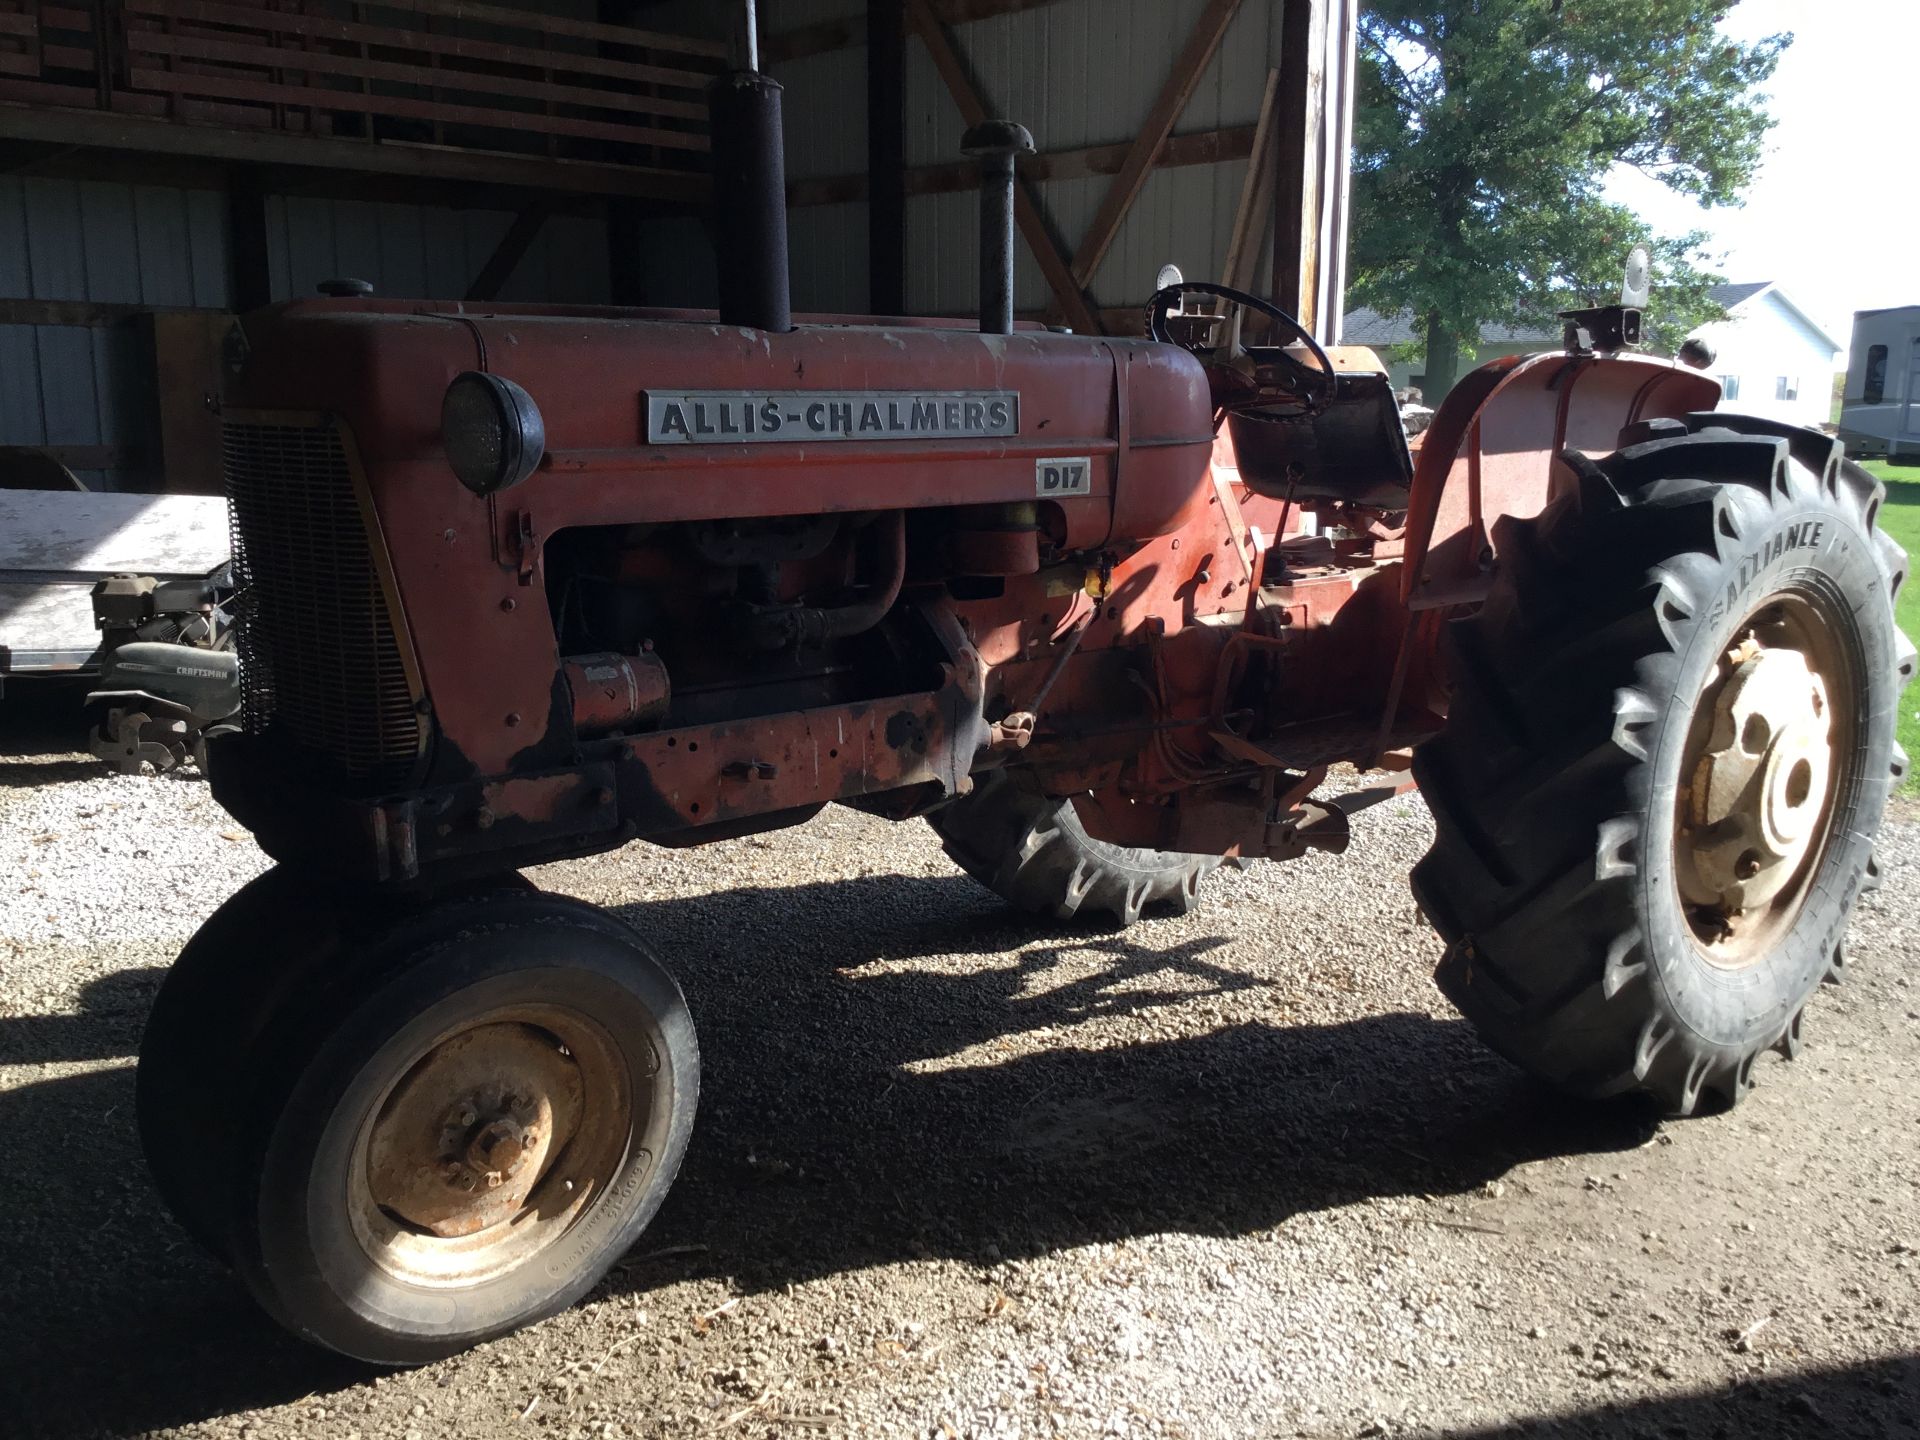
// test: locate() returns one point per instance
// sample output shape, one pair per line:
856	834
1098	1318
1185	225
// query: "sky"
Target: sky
1834	215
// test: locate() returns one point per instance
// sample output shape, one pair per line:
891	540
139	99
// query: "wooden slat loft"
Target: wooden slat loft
442	89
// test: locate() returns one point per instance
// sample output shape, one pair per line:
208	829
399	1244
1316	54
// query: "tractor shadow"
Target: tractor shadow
863	1103
894	1068
113	1012
43	733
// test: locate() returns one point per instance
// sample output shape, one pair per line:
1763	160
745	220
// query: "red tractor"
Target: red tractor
518	584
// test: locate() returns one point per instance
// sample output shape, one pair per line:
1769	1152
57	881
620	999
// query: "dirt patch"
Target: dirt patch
1236	1174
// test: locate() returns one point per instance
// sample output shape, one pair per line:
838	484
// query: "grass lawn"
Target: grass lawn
1900	518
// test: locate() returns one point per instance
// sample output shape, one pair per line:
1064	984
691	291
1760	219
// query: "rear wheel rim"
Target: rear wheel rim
1769	760
491	1143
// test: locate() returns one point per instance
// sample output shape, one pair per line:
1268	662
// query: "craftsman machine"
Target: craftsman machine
514	584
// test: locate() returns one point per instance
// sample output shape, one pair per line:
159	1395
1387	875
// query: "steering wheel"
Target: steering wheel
1310	383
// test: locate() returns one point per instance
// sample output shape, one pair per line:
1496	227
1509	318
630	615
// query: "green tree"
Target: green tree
1486	128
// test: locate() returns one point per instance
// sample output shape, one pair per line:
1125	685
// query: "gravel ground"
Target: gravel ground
1236	1174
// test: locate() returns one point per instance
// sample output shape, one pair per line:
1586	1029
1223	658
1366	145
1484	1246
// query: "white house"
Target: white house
1880	413
1773	358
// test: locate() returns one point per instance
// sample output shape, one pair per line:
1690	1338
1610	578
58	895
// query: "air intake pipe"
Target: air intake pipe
750	191
996	144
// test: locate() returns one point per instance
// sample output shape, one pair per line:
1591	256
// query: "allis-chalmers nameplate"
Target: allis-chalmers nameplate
737	417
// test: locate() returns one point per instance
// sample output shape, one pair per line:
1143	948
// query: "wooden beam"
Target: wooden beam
963	12
197	173
250	271
155	136
1033	225
86	314
1256	197
886	157
1296	197
820	38
303	28
523	19
1201	46
823	36
85	457
583	92
511	250
1126	320
1205	147
22	155
203	84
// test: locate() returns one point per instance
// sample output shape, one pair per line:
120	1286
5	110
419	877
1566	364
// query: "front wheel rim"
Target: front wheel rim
493	1142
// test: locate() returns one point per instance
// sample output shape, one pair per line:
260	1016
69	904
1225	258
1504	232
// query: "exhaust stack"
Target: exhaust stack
750	191
996	144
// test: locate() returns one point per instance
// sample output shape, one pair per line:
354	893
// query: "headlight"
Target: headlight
493	432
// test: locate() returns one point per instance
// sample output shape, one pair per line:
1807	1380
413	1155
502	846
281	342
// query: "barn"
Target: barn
168	164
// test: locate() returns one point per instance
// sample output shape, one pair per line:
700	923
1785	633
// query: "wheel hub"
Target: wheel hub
1758	790
466	1136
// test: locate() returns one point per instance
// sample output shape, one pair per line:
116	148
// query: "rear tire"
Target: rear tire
1566	786
1032	851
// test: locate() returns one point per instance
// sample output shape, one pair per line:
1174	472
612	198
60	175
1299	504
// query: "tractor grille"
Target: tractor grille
320	662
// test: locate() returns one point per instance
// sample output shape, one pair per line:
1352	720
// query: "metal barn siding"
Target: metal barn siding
826	134
1077	73
825	113
1080	73
90	387
421	252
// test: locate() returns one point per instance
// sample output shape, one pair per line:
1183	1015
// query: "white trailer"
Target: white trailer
1880	413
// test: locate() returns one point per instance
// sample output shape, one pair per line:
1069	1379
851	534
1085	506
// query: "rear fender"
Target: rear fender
1494	449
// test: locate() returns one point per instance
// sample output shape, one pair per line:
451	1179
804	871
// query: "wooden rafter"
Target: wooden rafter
511	250
1027	213
1202	44
1256	198
91	313
152	136
1205	147
823	36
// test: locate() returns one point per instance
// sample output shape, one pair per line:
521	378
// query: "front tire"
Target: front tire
1670	744
439	1128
